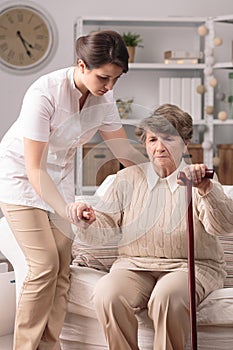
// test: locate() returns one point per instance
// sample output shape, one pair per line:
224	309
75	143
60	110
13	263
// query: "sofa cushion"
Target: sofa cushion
82	283
97	257
7	303
227	243
217	308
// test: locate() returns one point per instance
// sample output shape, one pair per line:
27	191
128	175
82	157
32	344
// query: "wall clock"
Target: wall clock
26	37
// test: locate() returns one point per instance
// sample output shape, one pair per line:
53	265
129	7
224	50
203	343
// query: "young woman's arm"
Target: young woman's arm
35	153
121	147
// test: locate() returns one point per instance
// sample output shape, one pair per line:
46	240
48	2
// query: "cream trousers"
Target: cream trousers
119	294
42	302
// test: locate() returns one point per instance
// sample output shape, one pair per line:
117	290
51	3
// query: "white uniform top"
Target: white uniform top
50	113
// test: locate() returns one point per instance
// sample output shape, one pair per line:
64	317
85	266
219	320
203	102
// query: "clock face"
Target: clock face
26	37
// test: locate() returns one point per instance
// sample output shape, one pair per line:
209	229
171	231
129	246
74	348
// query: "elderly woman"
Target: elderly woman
146	207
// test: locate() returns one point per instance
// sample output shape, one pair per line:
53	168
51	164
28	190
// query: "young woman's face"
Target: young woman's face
165	152
100	80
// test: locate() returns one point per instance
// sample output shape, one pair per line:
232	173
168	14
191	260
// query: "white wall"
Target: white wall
64	13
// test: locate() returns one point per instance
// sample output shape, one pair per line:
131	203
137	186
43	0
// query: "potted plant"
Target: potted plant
131	41
124	107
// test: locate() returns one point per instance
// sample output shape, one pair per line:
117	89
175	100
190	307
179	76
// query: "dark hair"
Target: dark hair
166	119
102	47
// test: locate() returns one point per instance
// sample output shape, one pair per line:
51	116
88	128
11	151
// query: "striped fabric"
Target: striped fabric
97	257
227	243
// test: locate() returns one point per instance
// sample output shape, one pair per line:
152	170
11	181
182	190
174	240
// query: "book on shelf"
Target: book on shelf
175	92
186	95
164	90
183	93
196	101
183	54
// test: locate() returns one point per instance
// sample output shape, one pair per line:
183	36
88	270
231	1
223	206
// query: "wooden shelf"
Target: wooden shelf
139	21
225	122
223	65
224	19
163	66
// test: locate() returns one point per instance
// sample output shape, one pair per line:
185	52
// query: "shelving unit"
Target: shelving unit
223	57
162	66
178	33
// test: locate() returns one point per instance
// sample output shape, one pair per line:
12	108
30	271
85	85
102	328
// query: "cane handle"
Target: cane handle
209	173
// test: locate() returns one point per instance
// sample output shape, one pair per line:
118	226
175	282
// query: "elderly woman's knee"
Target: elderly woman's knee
167	301
105	293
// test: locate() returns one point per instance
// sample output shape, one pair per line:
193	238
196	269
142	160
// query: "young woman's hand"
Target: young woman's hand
80	214
196	174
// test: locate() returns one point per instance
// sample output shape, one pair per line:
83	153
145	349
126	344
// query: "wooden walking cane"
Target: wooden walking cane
191	258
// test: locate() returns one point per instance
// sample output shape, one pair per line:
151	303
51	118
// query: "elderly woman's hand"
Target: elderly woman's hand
196	174
80	214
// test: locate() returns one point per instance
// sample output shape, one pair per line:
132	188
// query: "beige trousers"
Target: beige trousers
119	294
42	303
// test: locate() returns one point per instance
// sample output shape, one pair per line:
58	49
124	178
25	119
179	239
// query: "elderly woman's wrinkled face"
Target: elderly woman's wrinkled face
165	152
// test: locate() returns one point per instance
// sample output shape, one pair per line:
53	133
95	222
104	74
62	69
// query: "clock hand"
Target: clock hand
25	43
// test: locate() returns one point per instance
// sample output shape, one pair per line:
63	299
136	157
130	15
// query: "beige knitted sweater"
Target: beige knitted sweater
149	216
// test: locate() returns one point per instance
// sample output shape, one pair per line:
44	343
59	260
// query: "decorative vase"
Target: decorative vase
131	52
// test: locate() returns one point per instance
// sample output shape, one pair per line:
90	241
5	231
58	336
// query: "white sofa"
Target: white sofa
10	283
81	330
7	306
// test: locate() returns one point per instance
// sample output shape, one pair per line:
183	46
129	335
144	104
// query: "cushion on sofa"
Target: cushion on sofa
217	308
83	281
227	243
97	257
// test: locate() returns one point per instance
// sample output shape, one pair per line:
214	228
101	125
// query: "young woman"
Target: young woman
60	111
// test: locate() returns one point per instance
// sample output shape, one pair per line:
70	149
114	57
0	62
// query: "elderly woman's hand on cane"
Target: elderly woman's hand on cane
199	175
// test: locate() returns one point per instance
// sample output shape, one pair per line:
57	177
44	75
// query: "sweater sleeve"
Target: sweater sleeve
215	210
108	211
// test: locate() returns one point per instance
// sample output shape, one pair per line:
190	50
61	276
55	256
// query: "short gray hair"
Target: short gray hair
166	119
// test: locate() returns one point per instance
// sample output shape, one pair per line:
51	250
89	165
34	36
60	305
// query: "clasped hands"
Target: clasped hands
80	214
